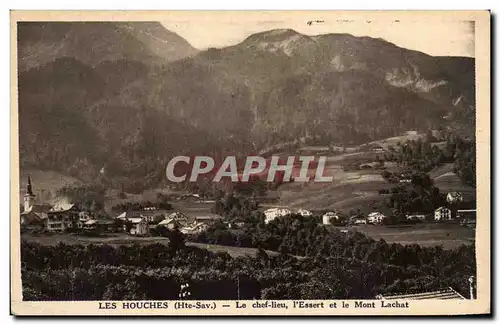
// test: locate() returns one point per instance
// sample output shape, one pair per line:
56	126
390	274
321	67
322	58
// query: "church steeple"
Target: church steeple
29	197
29	189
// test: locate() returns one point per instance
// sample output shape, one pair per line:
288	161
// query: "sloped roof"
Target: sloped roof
122	215
445	294
177	215
61	207
30	217
166	221
135	220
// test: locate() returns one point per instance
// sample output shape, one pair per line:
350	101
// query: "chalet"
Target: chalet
329	216
274	213
62	216
376	218
442	213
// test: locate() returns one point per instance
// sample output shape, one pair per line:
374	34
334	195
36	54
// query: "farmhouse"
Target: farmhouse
329	216
274	213
376	217
442	213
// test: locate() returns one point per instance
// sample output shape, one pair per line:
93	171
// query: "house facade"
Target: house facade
442	213
139	226
62	217
329	216
376	218
274	213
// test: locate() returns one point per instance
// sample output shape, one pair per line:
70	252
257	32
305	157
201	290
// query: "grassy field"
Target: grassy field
425	234
123	239
349	190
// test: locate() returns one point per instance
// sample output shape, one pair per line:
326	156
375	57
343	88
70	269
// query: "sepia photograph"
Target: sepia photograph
173	161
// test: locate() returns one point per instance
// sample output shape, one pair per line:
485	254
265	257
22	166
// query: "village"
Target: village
150	220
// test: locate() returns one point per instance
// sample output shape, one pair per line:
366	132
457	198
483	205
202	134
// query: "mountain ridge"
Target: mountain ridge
273	87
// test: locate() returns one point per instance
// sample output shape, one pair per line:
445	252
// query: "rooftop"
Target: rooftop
445	294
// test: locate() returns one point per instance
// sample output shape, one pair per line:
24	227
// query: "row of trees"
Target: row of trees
337	266
417	196
423	155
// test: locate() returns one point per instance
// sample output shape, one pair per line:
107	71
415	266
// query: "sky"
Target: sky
437	37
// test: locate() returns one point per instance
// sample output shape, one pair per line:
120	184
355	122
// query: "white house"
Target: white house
442	213
376	217
274	213
304	212
327	217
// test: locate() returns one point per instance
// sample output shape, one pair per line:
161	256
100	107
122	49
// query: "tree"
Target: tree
176	239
